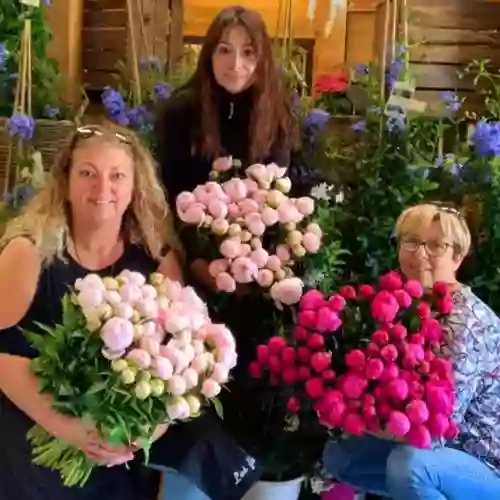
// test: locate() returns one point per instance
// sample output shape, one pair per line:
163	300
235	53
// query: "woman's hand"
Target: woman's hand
199	268
75	433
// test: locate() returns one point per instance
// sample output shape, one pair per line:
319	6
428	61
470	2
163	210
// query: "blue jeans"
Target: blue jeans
404	473
178	487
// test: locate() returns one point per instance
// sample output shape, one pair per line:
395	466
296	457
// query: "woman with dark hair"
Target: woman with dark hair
234	105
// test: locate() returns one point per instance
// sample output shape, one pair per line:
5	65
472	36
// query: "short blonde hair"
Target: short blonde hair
453	224
45	219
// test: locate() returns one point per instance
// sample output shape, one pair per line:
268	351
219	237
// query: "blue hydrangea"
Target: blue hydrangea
20	126
486	138
451	101
138	116
115	105
50	111
162	90
4	54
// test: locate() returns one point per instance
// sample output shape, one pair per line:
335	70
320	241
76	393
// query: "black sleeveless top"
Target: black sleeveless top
19	478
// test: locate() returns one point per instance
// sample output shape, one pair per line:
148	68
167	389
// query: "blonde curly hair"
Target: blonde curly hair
147	222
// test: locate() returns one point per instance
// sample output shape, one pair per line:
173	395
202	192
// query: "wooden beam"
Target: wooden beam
175	45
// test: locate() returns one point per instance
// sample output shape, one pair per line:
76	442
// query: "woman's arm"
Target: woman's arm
20	267
170	267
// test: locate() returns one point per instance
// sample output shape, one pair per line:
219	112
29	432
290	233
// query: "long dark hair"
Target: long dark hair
272	122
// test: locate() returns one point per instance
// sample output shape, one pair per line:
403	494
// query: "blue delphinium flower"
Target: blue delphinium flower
137	116
4	54
151	62
19	195
451	101
162	90
486	138
395	124
21	126
47	3
315	122
359	126
50	111
362	69
115	105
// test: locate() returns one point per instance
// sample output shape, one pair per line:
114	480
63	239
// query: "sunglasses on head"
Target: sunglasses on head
90	131
444	207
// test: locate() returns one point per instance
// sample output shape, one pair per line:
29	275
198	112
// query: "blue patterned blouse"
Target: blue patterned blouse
473	341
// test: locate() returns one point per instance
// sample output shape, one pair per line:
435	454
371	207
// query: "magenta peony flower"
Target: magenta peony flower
414	288
390	281
292	405
307	318
336	303
419	437
424	310
255	370
312	299
439	397
304	354
304	372
316	341
353	424
288	355
276	344
356	360
117	334
380	337
397	389
374	369
384	307
367	292
290	375
445	304
352	385
398	424
320	361
348	292
417	412
314	387
300	333
389	353
390	372
403	298
441	288
327	320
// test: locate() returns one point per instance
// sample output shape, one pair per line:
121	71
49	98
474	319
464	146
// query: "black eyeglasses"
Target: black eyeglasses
433	248
91	130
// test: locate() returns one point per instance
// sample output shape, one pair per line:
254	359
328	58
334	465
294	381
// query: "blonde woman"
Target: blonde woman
433	240
101	211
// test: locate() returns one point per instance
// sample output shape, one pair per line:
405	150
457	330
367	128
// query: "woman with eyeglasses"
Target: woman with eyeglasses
102	211
432	243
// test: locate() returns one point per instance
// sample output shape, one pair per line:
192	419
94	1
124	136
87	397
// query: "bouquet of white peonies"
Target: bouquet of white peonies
130	354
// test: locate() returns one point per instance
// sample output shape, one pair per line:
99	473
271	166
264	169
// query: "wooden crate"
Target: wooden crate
444	36
107	41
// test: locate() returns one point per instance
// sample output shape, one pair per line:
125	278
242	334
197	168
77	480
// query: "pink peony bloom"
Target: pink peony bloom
260	196
217	208
398	389
314	228
311	242
163	368
233	210
404	299
248	206
354	424
117	334
287	291
417	412
259	172
269	216
140	357
305	205
274	263
287	212
312	299
190	377
150	345
251	185
184	201
236	189
179	409
398	424
275	171
177	385
414	288
384	307
391	281
259	257
231	248
419	437
111	355
130	293
353	385
320	361
194	214
244	270
265	278
374	368
223	164
255	224
210	388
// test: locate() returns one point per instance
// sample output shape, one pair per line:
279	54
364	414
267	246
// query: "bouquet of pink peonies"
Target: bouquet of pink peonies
367	360
258	231
148	354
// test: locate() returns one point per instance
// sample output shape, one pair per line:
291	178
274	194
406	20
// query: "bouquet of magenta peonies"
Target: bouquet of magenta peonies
128	356
367	360
257	231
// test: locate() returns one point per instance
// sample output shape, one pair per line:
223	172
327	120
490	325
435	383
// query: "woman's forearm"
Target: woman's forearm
20	386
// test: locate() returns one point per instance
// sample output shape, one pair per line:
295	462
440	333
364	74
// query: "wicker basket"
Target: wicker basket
50	137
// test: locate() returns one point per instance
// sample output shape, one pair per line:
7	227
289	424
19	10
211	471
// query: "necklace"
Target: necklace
113	249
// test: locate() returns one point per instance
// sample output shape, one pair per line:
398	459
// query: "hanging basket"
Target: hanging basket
50	137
